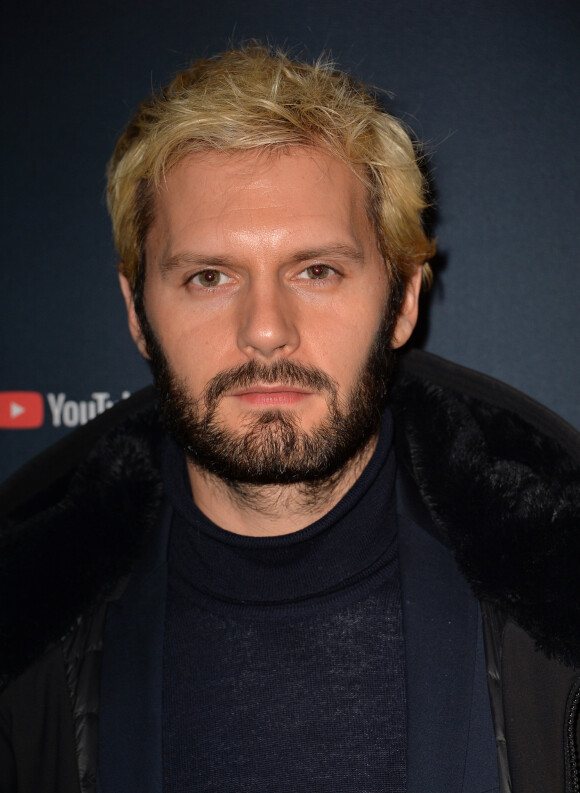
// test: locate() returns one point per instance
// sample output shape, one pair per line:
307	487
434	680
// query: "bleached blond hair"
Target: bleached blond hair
256	98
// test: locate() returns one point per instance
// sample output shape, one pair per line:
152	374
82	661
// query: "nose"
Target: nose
267	323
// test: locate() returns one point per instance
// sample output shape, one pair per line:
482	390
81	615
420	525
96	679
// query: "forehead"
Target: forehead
294	190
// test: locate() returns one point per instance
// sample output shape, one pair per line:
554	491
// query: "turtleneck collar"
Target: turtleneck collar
354	539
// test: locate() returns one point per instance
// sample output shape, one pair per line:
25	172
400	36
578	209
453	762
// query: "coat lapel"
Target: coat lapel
130	722
446	697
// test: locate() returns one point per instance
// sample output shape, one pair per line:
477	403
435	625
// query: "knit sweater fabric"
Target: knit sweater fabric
284	666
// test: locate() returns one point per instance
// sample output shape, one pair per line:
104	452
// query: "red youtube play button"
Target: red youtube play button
20	410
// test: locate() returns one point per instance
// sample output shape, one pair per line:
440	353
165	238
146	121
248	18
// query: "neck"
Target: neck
272	510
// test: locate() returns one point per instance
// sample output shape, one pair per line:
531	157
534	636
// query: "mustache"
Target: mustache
253	372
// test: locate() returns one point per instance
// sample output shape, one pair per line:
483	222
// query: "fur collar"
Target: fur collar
503	496
58	563
506	500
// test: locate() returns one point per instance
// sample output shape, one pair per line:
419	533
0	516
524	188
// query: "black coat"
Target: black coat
499	475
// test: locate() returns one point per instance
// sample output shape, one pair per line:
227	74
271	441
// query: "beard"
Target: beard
272	448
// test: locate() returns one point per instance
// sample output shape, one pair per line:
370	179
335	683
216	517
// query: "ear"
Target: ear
134	324
409	312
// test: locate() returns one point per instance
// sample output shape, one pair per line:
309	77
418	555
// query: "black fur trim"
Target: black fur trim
56	565
506	500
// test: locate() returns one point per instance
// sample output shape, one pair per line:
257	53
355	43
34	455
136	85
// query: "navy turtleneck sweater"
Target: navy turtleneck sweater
284	664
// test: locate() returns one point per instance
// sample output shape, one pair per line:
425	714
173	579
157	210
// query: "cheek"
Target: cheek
196	361
193	342
342	343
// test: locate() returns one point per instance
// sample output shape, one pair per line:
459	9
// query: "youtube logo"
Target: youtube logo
20	410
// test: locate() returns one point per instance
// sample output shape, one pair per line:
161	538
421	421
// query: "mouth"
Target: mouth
268	395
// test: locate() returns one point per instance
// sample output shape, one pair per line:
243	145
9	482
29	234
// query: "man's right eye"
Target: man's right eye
208	278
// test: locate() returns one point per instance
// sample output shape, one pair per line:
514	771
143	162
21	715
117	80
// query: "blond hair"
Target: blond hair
253	98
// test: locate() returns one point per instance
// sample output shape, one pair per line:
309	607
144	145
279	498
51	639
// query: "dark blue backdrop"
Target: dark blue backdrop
492	87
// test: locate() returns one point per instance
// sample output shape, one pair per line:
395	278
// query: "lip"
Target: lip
272	394
270	389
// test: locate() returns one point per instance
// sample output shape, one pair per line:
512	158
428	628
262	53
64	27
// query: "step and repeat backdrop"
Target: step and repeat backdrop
490	86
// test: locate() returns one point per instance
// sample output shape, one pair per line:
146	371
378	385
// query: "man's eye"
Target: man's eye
316	272
210	278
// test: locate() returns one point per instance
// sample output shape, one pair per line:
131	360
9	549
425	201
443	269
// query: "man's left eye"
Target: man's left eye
316	272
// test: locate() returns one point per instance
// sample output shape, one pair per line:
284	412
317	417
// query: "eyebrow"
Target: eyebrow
188	259
339	250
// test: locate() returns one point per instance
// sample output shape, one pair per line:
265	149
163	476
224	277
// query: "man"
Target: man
283	589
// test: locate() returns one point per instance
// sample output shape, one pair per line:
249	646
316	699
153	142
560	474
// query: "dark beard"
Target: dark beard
272	449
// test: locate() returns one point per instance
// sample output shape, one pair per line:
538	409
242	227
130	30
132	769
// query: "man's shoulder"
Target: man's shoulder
73	523
46	478
422	376
500	475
